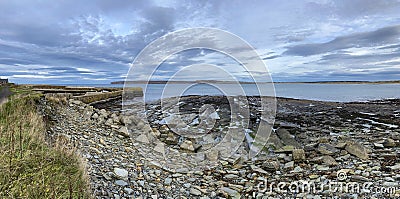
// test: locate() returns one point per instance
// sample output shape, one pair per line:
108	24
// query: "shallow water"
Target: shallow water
322	92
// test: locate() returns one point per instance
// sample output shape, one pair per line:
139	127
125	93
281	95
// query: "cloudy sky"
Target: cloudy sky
74	41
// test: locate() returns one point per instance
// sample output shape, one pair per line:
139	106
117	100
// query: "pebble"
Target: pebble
168	181
195	192
128	191
121	173
121	183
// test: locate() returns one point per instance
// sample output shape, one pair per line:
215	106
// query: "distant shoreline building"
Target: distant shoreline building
3	81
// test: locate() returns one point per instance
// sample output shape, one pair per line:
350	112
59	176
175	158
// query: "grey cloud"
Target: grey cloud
381	36
354	8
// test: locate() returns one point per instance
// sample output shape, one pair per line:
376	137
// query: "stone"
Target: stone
103	113
357	150
271	165
101	140
389	143
328	160
258	169
274	141
231	192
123	131
168	181
299	155
187	145
155	132
287	138
231	176
378	146
160	148
95	116
289	165
128	191
313	176
143	139
172	139
286	149
340	145
121	183
358	178
322	168
297	170
395	167
390	184
327	149
121	173
195	192
109	122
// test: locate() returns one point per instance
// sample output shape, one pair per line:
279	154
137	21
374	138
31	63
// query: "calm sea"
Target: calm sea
322	92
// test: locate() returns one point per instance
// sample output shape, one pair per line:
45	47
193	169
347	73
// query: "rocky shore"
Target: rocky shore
314	143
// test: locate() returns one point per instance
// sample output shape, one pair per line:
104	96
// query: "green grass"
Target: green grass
30	168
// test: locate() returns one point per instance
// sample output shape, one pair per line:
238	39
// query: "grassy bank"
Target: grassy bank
30	168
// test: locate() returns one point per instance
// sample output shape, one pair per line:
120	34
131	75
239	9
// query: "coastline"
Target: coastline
313	141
